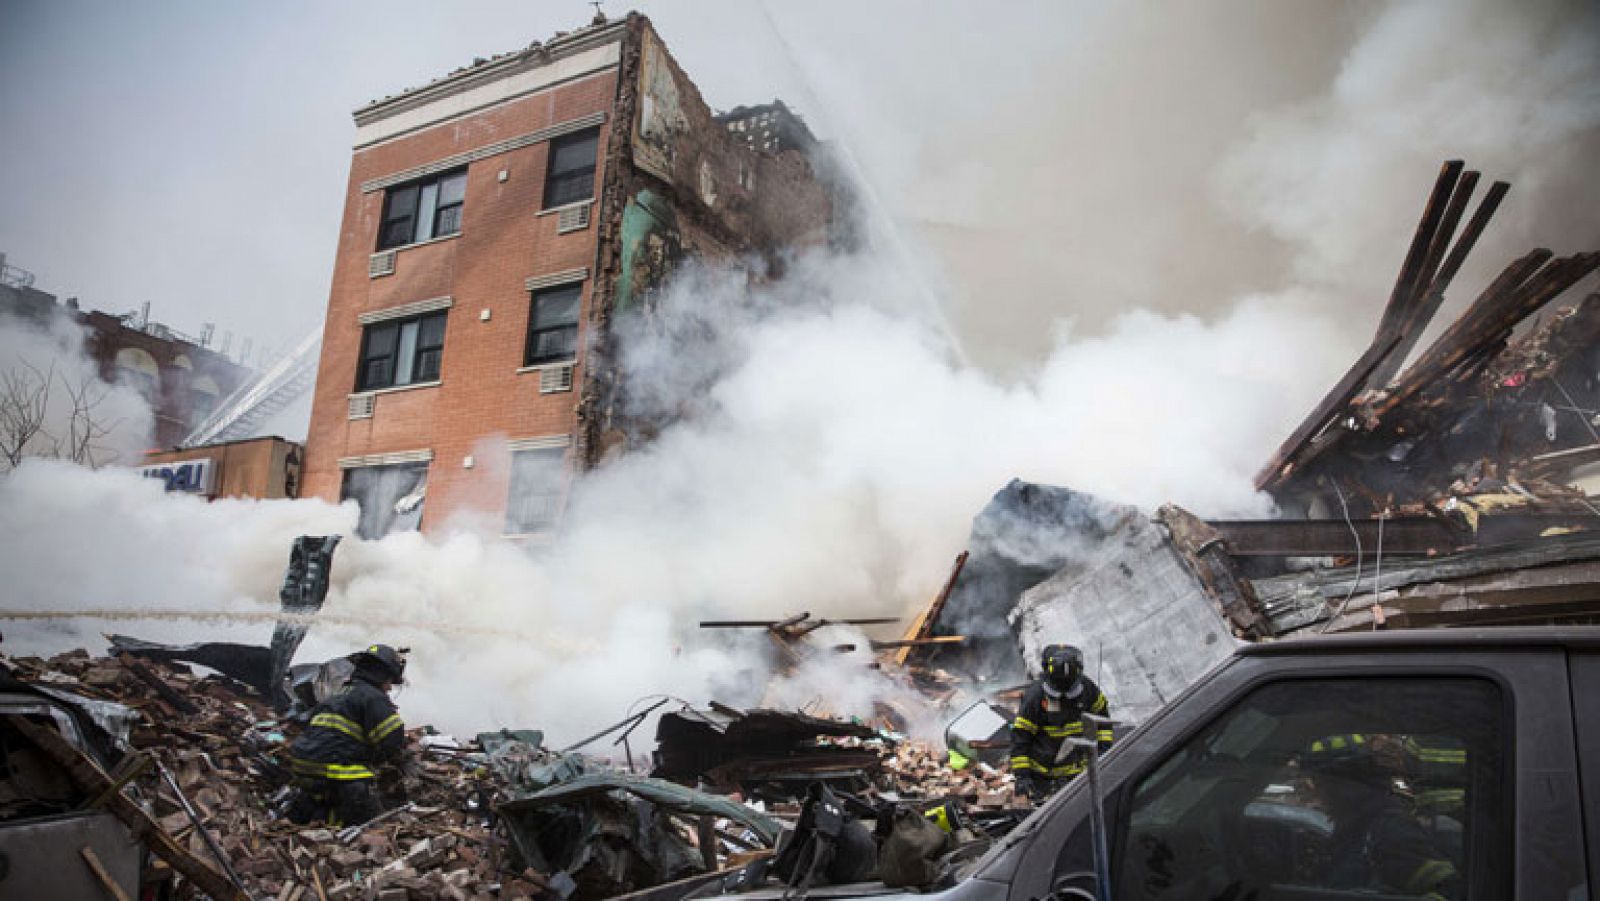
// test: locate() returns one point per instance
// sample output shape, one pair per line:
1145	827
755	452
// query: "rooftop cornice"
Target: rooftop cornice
533	57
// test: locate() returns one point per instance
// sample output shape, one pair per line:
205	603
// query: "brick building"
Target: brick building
183	380
498	222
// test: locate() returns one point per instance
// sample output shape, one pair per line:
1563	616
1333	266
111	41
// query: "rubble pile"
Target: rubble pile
226	750
920	770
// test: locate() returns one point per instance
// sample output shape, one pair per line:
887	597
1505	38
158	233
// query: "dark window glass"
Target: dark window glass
390	497
1391	787
421	210
535	500
401	352
572	164
553	325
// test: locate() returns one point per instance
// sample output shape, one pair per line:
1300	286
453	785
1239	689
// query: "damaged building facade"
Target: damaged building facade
499	222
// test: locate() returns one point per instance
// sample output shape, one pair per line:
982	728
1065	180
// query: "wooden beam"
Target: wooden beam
1427	292
922	626
90	778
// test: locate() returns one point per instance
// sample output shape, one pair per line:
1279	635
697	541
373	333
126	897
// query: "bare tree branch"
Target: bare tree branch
24	407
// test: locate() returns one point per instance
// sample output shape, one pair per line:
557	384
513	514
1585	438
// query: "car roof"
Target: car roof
1430	639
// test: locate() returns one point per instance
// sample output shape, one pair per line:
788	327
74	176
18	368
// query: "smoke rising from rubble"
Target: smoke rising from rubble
838	449
835	459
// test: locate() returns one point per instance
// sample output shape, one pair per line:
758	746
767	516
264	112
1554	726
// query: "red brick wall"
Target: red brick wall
173	402
501	244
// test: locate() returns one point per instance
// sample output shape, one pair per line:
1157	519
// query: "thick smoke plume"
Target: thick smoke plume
1180	294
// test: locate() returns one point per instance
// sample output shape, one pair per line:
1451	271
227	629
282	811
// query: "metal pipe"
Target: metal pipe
205	835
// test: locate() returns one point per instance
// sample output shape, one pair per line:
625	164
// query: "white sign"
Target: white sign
196	476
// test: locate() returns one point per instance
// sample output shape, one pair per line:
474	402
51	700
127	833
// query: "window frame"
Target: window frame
440	212
556	495
529	358
386	519
419	351
549	194
1120	796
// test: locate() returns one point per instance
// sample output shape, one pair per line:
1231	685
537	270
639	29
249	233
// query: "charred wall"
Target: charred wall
679	186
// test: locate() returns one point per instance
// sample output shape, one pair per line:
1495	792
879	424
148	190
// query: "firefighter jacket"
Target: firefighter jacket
1043	723
350	734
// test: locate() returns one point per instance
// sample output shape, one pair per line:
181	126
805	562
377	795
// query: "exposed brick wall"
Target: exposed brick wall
175	394
779	205
501	244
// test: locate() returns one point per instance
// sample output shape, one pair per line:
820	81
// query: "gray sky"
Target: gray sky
1061	162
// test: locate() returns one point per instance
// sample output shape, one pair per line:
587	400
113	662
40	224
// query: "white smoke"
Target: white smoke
832	467
838	448
46	377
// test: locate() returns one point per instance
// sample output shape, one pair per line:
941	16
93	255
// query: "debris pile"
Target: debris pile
499	816
225	751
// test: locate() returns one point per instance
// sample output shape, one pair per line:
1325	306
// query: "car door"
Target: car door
1391	774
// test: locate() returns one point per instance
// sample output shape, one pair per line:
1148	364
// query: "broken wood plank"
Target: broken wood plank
1283	463
90	778
1428	291
1482	321
99	870
922	627
169	694
1412	269
907	644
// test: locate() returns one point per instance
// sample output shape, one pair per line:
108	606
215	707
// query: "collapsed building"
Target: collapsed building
1451	488
502	224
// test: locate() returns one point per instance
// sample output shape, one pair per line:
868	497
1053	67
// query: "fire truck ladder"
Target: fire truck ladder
247	408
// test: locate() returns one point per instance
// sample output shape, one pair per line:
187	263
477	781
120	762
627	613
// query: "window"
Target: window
1329	789
137	368
535	500
390	497
422	210
553	325
571	175
401	352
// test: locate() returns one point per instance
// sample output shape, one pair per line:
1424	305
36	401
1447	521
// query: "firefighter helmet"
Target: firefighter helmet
1061	665
382	658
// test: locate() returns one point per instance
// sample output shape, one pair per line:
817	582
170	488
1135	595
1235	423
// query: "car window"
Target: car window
1327	788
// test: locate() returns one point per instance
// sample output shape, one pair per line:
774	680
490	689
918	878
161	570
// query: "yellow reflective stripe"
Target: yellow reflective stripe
1026	763
1104	735
339	724
349	772
1024	724
383	729
1099	705
1071	769
1437	798
330	770
1063	731
1429	876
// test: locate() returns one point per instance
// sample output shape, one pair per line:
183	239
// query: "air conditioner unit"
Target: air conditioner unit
572	219
362	405
381	264
555	379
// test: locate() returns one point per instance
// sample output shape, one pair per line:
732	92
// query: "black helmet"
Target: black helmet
1060	665
384	660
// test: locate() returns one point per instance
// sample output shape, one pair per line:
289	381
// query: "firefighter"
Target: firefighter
1376	845
1052	713
351	735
